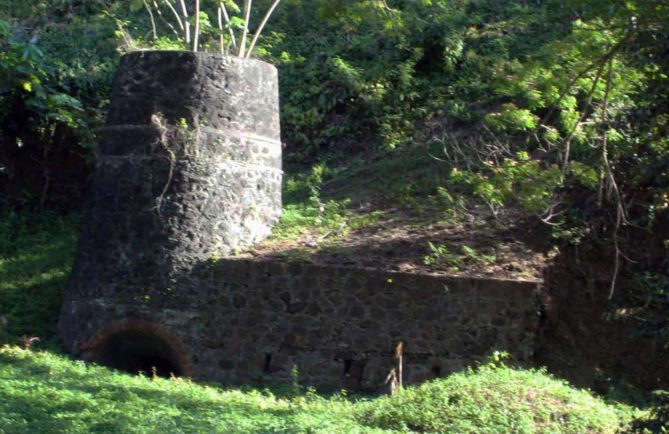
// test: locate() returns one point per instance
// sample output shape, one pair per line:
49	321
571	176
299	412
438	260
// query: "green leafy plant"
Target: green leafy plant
295	378
518	179
657	419
36	110
646	301
441	255
467	403
497	359
476	257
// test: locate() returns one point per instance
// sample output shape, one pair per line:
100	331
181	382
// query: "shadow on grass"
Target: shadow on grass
36	253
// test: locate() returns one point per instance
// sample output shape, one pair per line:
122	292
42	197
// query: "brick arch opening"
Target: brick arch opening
138	346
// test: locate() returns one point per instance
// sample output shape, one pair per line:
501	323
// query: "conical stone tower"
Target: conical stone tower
189	168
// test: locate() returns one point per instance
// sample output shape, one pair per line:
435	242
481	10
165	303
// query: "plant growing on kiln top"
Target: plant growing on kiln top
189	22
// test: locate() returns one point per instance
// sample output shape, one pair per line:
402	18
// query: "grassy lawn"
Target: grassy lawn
46	393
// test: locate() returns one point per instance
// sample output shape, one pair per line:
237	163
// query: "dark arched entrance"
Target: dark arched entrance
138	346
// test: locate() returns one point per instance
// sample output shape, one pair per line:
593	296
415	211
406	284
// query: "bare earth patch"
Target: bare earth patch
470	242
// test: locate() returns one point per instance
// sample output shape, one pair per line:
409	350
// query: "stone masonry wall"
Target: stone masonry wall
189	167
243	321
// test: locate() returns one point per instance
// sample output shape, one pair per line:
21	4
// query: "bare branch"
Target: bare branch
162	18
219	14
227	22
247	17
176	14
388	8
620	210
550	213
153	21
184	12
196	36
262	26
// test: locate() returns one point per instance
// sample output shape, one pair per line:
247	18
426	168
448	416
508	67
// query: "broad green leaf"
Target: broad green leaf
232	6
236	23
32	53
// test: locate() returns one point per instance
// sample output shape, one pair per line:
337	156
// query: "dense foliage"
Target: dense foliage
550	93
55	77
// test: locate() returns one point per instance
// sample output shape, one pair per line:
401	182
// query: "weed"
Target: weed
305	211
494	398
477	257
440	256
295	378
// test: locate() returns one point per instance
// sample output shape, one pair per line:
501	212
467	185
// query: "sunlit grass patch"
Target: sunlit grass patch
47	393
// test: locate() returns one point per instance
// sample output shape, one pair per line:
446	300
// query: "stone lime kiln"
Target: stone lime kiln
189	170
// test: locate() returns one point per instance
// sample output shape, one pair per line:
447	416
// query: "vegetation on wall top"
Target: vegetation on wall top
194	30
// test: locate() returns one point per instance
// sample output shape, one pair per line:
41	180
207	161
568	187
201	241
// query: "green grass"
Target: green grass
46	393
497	399
413	178
43	392
36	252
305	210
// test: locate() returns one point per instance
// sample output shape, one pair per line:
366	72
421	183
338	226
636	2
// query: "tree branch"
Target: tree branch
160	15
227	22
184	12
196	36
262	25
153	21
176	14
247	17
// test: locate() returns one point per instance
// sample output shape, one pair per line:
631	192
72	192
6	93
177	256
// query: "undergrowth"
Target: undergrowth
322	202
442	255
494	399
307	210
